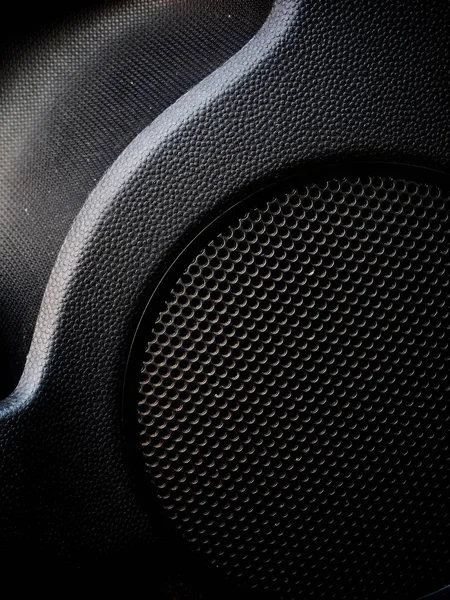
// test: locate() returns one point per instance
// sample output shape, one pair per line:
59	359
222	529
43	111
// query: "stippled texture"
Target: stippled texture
76	88
322	80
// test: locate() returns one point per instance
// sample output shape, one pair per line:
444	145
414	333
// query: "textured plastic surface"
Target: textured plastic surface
294	411
322	80
76	88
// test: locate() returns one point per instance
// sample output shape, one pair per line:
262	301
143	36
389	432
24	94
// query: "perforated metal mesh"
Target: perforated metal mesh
294	397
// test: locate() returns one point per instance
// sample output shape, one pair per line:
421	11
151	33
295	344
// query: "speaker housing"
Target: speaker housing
320	83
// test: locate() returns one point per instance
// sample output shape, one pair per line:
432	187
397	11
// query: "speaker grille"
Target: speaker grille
294	395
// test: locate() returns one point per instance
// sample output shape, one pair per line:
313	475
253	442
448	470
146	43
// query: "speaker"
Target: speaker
294	376
270	259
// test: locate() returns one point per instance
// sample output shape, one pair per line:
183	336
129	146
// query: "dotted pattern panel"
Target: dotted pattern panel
294	396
